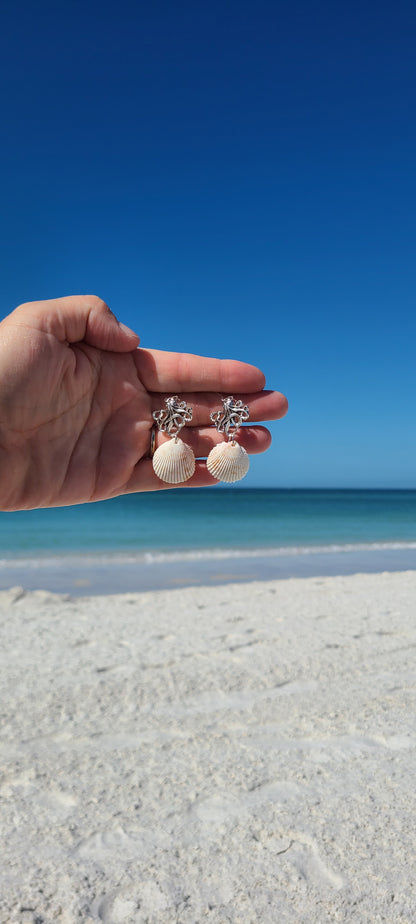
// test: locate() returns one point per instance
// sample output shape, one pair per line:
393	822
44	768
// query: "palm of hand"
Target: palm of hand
83	423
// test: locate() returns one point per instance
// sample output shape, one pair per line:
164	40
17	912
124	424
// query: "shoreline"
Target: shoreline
96	574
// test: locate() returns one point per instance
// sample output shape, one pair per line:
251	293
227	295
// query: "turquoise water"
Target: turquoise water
173	538
213	518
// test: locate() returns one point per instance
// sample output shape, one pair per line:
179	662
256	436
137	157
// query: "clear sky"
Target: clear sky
234	179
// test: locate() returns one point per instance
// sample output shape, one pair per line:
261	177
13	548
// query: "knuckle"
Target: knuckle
95	303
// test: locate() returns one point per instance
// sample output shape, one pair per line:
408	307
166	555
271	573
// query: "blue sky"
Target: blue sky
234	179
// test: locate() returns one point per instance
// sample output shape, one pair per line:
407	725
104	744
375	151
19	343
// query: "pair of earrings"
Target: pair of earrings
174	461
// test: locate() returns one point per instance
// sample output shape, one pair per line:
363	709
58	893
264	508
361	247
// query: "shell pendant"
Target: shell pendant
174	462
228	462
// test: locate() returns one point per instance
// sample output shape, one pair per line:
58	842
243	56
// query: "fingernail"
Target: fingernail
127	330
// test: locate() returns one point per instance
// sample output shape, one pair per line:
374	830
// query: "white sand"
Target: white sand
231	754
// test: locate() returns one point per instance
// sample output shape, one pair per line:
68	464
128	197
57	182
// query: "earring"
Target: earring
173	462
229	461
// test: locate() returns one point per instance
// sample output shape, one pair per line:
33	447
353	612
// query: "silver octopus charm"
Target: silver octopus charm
229	420
176	415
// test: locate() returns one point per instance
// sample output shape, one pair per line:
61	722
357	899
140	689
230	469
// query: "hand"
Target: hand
76	404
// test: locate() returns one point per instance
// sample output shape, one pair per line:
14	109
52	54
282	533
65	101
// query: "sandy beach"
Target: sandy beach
241	753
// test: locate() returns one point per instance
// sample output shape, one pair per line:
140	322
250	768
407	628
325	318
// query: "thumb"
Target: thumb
77	318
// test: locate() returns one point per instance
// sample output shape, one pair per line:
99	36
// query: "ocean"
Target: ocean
204	536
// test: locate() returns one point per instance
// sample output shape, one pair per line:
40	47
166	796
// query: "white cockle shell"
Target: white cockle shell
228	462
174	462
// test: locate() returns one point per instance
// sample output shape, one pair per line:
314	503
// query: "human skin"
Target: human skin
77	397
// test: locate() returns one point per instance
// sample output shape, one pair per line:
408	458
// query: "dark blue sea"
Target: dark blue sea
202	536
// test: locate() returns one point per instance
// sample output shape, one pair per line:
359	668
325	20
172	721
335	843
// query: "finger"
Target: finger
263	405
173	372
77	318
253	439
